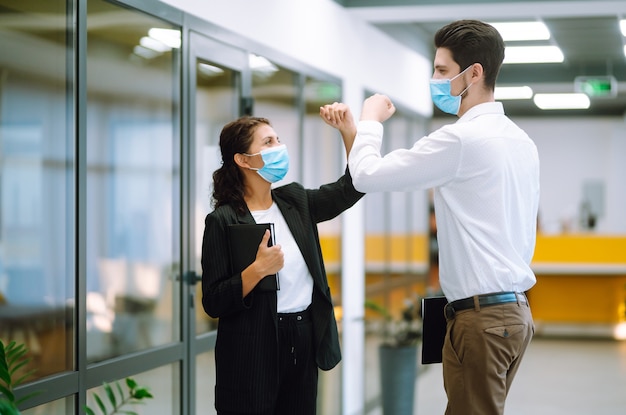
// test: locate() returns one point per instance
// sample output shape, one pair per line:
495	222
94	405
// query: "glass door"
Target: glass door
217	85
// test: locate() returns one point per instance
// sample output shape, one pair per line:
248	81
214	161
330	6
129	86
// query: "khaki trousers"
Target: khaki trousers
481	354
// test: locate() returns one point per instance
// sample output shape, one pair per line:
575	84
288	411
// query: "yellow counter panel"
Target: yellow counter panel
581	284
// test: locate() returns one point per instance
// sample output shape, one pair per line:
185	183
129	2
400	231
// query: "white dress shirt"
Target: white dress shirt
485	174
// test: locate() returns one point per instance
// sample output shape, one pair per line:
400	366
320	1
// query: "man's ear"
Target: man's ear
477	71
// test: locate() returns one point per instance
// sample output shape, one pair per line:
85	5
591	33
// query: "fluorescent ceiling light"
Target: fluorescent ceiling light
169	37
562	101
513	92
533	54
514	31
210	70
145	52
152	43
261	64
622	25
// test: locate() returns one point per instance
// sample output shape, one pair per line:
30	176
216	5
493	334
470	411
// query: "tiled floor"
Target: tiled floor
557	377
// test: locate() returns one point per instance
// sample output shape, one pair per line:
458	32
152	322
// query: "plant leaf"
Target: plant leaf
119	390
23	377
17	367
100	403
110	394
15	354
7	392
3	363
6	408
130	382
5	376
89	411
142	393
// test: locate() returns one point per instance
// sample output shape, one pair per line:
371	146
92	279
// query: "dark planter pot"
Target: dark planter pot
398	371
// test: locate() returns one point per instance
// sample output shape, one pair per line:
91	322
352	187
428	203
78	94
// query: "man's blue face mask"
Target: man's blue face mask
276	163
440	91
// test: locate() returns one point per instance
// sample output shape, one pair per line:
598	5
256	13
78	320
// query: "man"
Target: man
485	174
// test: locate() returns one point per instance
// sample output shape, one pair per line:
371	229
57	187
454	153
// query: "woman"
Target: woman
270	343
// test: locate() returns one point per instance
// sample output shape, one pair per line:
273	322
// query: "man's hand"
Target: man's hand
377	108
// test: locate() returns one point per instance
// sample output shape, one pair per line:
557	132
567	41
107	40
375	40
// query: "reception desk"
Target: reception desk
581	285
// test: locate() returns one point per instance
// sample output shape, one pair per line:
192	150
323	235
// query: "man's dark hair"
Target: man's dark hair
473	41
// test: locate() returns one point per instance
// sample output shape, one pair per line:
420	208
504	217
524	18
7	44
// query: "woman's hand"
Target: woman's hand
269	260
338	115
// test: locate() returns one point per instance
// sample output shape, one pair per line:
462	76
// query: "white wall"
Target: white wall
572	152
575	151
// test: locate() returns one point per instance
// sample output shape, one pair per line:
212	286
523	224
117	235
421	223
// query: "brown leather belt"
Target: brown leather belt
484	300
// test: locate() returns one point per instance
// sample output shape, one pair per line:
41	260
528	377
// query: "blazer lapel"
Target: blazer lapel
303	239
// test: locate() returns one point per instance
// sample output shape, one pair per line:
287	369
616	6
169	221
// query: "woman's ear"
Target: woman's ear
241	160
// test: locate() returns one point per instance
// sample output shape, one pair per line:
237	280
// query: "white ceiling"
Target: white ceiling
587	32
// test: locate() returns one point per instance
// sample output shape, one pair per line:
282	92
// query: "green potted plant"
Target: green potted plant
118	401
401	336
403	329
12	359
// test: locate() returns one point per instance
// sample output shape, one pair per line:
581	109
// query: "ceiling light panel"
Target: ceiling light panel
533	54
562	101
622	26
513	92
521	31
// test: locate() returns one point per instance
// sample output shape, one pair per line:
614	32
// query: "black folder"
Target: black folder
243	244
433	328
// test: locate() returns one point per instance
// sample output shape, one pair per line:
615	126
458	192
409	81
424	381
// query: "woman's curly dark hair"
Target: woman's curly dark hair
236	137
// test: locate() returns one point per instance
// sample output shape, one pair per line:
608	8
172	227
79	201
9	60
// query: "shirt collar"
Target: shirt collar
482	109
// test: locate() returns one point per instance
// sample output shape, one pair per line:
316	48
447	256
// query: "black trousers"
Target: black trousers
298	372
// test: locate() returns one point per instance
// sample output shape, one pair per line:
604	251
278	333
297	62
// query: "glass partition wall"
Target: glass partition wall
37	183
109	125
132	200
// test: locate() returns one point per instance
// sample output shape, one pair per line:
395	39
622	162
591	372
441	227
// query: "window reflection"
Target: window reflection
37	168
217	96
323	161
275	92
132	176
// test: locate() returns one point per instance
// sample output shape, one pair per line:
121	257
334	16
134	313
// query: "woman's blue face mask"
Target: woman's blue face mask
440	91
276	163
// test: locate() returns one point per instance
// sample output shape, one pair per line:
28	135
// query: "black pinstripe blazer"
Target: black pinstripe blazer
246	351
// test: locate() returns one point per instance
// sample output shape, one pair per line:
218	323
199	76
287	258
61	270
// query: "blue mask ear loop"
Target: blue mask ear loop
252	155
456	76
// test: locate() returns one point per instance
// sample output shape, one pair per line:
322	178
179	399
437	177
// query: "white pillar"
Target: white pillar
353	288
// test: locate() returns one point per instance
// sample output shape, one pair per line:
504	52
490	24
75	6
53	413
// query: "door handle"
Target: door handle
191	278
